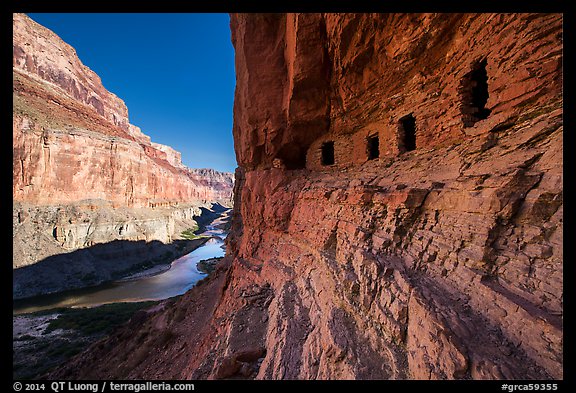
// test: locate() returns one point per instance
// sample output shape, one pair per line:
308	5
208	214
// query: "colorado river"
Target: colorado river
182	275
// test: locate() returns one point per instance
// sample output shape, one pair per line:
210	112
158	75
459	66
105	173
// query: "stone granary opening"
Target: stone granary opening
292	157
373	147
407	133
328	153
474	94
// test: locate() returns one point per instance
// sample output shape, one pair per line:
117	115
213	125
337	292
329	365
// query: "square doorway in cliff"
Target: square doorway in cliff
407	133
474	94
373	147
327	151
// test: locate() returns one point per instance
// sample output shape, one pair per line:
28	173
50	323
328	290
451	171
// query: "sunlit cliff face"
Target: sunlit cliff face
72	139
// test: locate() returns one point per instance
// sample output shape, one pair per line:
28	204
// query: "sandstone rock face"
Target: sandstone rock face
173	157
73	141
42	56
431	252
445	261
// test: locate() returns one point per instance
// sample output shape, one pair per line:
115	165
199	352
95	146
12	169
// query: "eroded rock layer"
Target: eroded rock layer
398	208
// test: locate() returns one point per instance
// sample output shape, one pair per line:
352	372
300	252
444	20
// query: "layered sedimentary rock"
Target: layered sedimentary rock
73	140
399	208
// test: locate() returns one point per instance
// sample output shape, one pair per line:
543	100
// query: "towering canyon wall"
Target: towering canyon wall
399	209
447	257
73	140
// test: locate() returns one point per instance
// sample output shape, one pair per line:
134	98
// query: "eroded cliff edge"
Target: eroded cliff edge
398	208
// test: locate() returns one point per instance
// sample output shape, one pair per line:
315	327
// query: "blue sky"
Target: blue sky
175	72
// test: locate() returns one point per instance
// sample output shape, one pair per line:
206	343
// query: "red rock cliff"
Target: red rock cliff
440	257
73	141
399	207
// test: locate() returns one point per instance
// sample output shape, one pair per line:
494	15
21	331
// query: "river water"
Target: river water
182	276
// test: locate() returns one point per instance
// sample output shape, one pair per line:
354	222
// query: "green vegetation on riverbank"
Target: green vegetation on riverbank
96	320
189	234
51	341
192	233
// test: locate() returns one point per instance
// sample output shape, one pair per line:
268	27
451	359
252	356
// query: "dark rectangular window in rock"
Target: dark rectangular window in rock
474	94
407	133
291	156
373	147
328	153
